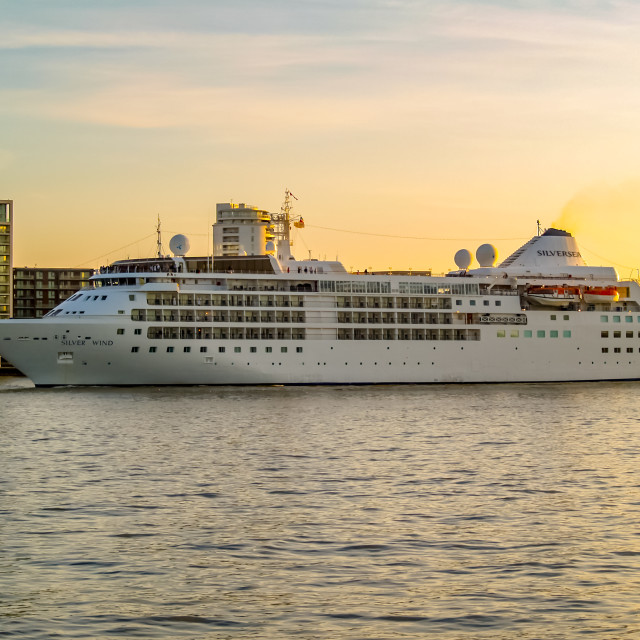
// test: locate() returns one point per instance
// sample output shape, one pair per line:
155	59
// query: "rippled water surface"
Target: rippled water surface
508	511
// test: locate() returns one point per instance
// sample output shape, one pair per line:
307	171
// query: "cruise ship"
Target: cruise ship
251	314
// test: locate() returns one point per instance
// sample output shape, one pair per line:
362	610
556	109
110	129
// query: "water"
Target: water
506	511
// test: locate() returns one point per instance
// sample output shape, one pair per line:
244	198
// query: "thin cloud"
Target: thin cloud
439	61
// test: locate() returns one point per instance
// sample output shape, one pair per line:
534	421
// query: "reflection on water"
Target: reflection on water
506	511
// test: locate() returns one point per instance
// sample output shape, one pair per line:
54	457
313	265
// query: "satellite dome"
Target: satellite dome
270	247
463	259
179	245
486	255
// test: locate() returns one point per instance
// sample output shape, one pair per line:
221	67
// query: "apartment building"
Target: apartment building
36	290
6	258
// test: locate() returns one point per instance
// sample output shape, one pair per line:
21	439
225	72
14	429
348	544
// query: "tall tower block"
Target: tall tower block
241	229
6	258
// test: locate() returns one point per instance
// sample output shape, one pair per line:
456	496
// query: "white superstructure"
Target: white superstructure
540	315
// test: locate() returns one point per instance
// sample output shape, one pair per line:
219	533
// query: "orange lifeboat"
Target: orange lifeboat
553	296
600	295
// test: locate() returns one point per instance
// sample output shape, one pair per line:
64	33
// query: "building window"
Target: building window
540	333
169	349
458	303
221	349
203	349
604	318
616	318
132	296
617	334
501	334
472	303
604	334
253	349
566	333
268	349
629	334
283	349
498	303
628	318
237	349
528	333
553	317
120	332
565	317
135	349
629	349
616	350
187	349
137	332
515	333
553	334
152	349
605	350
485	303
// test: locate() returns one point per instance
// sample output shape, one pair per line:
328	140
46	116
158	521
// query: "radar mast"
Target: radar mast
160	250
282	225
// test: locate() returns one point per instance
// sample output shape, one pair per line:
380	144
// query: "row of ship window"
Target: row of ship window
189	315
408	334
232	333
393	318
356	302
244	300
343	317
618	334
174	333
528	333
224	333
615	319
56	312
172	299
249	300
351	286
300	350
541	333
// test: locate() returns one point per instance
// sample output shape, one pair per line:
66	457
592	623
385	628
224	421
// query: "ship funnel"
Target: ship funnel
554	249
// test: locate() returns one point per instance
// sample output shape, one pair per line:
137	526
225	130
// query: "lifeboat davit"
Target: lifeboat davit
554	296
600	295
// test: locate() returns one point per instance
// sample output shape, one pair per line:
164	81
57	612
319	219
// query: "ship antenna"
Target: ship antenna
281	226
539	227
159	244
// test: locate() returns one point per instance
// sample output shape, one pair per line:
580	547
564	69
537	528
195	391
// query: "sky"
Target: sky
407	129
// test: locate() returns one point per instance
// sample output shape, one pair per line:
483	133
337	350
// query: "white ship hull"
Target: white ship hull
107	359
